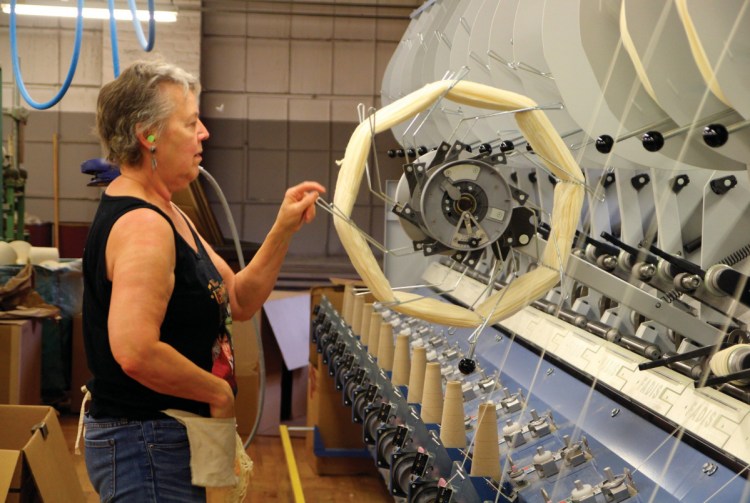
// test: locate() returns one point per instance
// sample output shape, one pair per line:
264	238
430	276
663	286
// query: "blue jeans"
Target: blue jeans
140	461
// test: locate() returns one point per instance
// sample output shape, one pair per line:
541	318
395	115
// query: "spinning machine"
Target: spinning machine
562	309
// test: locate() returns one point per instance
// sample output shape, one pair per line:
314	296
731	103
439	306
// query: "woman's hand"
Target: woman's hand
223	406
298	206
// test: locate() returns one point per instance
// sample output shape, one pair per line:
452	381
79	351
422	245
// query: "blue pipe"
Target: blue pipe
71	69
113	38
145	45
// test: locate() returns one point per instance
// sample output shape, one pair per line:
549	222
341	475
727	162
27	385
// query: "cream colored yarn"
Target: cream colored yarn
629	46
540	133
699	53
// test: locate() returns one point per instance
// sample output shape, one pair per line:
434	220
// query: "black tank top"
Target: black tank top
197	322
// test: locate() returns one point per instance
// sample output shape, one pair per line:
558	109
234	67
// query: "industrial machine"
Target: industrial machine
628	380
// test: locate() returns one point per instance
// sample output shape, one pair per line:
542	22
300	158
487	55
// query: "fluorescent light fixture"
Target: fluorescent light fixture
162	16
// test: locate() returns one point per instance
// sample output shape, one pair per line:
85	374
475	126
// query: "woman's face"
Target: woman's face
179	146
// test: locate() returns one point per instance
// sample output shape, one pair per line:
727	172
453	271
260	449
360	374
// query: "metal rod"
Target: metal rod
698	123
677	358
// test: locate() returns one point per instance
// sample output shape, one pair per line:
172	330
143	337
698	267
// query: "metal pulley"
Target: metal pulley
451	202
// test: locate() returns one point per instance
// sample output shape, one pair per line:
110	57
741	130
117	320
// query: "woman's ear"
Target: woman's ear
146	138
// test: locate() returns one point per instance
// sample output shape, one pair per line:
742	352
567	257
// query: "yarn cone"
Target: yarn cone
376	320
359	302
452	429
432	395
385	347
401	363
346	310
364	332
416	374
485	461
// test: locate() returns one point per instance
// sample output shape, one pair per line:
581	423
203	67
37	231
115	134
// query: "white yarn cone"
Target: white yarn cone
416	374
452	429
385	347
376	320
485	461
432	395
401	363
364	332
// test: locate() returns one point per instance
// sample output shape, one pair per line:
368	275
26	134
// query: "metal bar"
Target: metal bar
676	358
712	381
633	297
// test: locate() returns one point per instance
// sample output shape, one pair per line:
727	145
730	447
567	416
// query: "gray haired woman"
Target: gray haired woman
158	301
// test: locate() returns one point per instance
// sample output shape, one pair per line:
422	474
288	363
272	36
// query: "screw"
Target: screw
709	468
658	305
498	338
614	412
550	371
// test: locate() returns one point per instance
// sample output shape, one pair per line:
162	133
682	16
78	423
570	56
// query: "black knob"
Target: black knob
422	150
400	153
640	181
604	144
652	141
721	186
715	135
506	146
411	152
529	148
609	179
466	366
467	148
680	182
391	153
485	148
514	176
532	177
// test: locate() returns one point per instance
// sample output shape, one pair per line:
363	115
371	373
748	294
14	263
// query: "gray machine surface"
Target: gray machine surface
636	363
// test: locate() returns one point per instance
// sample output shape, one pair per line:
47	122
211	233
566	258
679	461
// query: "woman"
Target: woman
158	301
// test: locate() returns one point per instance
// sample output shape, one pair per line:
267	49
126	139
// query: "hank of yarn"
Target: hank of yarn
485	461
432	395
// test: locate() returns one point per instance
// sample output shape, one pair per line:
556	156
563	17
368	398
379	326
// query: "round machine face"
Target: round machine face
465	205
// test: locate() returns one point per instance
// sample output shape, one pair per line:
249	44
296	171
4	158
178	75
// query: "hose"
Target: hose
146	45
241	259
113	38
71	69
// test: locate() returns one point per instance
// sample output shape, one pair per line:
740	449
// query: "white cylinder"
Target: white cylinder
7	254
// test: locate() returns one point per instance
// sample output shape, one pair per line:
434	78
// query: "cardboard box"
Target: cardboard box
20	362
35	464
285	400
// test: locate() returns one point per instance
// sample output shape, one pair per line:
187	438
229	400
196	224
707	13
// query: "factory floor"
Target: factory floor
270	480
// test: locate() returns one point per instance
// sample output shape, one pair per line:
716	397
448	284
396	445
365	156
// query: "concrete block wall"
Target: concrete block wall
45	46
280	94
280	97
